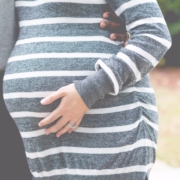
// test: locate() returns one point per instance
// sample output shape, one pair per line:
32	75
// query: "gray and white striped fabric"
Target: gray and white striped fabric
59	43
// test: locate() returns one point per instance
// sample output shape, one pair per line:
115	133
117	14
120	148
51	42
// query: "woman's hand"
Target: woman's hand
71	110
116	27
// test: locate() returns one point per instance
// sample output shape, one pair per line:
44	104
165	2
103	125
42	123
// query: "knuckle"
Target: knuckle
70	115
108	13
63	110
118	25
109	23
60	109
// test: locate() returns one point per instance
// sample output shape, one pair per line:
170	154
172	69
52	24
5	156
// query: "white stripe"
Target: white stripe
32	134
68	39
27	94
91	111
158	39
40	2
36	74
101	64
145	21
131	4
23	114
138	89
42	94
94	172
58	20
131	64
153	125
58	55
121	108
148	106
143	53
82	150
114	129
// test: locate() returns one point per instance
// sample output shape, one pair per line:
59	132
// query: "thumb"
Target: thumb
52	97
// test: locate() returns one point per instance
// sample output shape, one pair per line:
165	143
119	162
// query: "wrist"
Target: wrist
94	87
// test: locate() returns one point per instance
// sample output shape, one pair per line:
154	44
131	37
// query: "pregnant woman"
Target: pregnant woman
83	104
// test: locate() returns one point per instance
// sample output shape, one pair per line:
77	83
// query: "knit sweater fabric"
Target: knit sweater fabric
60	43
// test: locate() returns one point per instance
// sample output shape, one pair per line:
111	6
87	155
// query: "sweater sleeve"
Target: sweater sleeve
8	30
150	41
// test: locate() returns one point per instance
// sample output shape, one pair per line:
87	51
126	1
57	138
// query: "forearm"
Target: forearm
151	40
8	30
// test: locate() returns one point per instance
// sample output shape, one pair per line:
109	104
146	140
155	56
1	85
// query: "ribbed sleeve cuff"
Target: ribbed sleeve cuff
94	87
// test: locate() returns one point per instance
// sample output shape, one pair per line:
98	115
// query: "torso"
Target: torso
60	42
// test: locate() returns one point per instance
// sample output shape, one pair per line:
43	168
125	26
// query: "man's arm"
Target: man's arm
8	30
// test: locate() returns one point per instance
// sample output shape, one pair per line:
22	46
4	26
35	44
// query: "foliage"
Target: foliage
171	11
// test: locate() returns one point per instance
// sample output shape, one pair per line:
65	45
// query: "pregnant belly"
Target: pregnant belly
48	66
35	70
24	91
26	82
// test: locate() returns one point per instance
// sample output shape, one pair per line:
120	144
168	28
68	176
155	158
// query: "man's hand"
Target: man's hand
114	25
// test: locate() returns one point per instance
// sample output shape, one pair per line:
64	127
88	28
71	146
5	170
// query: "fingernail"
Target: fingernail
40	124
106	16
43	101
103	25
57	136
113	37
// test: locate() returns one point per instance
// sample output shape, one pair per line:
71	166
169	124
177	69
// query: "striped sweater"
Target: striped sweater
59	43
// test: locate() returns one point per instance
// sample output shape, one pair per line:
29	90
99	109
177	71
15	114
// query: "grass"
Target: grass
168	101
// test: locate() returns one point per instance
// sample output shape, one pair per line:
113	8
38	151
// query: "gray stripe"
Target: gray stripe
145	29
149	9
60	47
49	64
62	30
144	82
33	84
115	4
38	84
125	176
141	63
152	45
26	124
88	161
103	140
33	104
61	10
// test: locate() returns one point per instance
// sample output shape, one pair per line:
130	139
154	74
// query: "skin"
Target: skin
72	108
116	26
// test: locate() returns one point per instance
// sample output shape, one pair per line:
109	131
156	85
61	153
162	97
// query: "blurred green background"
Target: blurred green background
171	11
165	79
